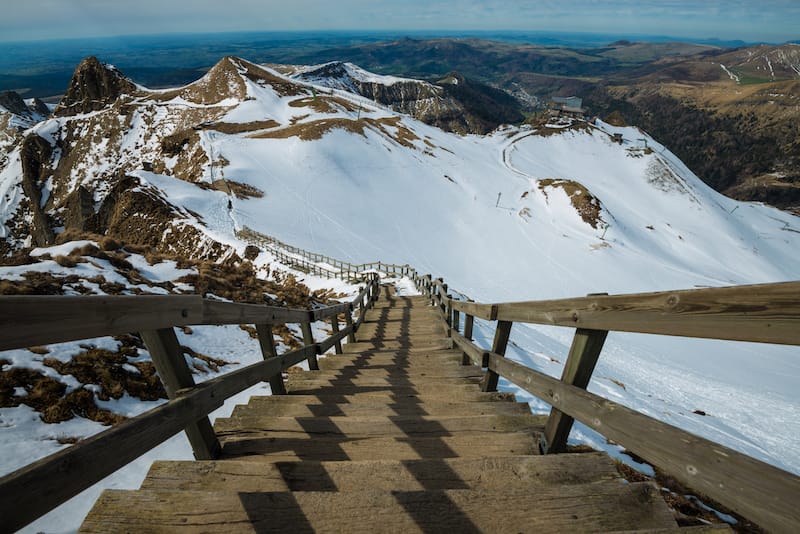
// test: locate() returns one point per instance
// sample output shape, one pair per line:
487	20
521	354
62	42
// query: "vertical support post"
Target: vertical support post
583	355
448	314
337	347
168	358
348	318
264	331
501	335
308	339
469	321
456	319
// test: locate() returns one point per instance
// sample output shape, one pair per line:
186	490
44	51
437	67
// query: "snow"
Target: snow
367	198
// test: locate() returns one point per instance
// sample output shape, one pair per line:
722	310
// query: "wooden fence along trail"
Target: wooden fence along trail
403	430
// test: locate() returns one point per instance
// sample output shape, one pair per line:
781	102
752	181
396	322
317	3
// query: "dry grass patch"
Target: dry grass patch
688	511
313	130
587	205
233	128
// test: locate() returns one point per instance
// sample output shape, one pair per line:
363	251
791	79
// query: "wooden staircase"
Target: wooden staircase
393	435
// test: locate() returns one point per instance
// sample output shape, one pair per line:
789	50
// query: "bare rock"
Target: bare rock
93	86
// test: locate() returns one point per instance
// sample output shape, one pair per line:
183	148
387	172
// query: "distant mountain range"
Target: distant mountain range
729	113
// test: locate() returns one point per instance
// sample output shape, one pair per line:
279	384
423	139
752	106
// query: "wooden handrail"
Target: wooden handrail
39	487
757	490
37	320
767	313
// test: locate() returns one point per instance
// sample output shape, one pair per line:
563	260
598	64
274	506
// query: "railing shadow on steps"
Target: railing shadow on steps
767	313
26	321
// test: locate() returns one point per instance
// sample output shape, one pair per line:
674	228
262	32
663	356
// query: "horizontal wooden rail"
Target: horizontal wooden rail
478	356
218	312
759	491
481	311
40	320
41	486
766	313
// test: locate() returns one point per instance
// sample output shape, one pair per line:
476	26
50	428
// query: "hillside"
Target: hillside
679	92
521	213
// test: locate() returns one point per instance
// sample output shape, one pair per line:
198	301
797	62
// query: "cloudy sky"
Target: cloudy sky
767	20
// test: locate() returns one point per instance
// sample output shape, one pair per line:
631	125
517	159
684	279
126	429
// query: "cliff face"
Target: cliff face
93	86
35	156
454	103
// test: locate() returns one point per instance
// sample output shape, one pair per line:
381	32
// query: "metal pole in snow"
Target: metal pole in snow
497	204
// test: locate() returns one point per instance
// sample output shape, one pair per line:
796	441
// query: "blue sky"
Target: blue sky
767	20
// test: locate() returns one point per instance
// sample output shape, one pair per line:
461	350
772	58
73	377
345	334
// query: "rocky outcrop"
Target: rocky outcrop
35	154
13	103
454	103
93	86
79	210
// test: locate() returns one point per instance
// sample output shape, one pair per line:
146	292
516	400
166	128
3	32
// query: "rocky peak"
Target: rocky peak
93	86
13	103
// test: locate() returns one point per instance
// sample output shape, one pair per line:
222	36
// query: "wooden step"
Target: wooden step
300	381
588	507
397	356
385	398
410	346
500	474
342	448
429	390
277	409
249	426
215	476
390	371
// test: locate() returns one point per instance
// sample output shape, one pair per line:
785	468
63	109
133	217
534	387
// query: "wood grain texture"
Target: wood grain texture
756	490
583	354
23	497
595	507
476	309
767	313
39	320
167	356
216	312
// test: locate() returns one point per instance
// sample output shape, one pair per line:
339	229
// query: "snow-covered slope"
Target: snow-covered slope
518	214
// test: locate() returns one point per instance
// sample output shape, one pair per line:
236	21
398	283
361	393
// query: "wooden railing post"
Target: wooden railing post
448	314
308	339
456	318
583	354
337	347
268	351
348	319
469	321
167	356
501	335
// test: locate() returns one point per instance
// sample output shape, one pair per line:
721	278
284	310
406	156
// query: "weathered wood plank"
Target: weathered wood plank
475	354
39	320
594	507
216	312
23	496
476	309
263	406
501	474
167	356
767	313
250	426
343	448
501	335
267	345
582	358
337	343
756	490
214	476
